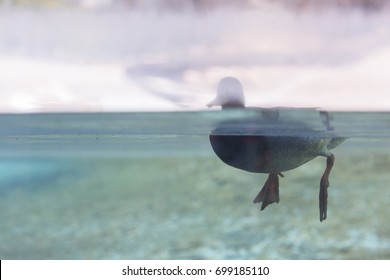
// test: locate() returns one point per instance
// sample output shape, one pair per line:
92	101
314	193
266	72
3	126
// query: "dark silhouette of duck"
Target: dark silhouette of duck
258	152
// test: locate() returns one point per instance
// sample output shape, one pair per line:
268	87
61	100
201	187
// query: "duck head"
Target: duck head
230	94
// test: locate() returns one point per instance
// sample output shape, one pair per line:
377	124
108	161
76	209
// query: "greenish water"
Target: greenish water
148	186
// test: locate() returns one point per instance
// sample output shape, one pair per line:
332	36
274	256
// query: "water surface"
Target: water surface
148	186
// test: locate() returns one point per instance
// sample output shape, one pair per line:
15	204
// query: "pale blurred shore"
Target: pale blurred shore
128	56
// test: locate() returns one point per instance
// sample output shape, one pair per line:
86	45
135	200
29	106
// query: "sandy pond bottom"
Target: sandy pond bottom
191	207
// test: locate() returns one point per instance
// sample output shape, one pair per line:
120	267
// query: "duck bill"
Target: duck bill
214	102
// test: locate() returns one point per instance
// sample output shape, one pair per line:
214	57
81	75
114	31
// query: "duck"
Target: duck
249	145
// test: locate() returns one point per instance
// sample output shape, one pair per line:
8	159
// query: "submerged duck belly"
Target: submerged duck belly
266	154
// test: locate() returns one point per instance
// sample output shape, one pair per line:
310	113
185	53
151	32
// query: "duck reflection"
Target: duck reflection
265	143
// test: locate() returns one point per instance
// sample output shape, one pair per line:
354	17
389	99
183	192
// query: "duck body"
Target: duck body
269	143
269	154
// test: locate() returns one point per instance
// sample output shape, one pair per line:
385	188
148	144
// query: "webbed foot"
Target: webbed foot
324	184
270	191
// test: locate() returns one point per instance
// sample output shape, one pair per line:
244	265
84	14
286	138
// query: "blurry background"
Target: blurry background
133	55
148	185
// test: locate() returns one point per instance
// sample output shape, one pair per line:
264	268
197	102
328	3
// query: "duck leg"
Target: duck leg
270	191
324	184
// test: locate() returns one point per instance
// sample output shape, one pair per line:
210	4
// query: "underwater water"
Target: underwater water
149	186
